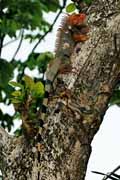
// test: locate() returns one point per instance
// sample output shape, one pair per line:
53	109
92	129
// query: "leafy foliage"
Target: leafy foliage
6	72
6	121
70	8
30	89
23	19
115	99
27	100
28	14
39	60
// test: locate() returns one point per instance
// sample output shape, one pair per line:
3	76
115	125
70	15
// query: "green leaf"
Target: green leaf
16	84
17	16
16	115
17	97
7	121
38	90
6	72
18	132
70	7
31	61
42	61
29	83
15	101
115	99
16	93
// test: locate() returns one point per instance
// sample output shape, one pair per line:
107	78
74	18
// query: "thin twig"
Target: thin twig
105	175
51	27
108	175
12	41
9	42
22	34
96	172
1	43
2	35
116	175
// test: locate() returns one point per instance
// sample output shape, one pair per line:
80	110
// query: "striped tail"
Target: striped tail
50	77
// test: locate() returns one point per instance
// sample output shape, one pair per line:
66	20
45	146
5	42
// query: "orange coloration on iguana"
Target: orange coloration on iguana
80	37
76	19
73	29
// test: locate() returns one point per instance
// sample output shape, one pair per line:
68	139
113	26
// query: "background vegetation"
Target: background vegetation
21	20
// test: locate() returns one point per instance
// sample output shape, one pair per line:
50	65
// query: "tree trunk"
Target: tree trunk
66	138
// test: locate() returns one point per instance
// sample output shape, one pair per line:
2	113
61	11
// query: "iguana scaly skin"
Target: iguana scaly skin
72	30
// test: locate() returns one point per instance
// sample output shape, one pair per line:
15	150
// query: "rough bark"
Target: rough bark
67	135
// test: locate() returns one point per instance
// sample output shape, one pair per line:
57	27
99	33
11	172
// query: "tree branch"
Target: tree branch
108	175
12	41
1	43
20	43
51	26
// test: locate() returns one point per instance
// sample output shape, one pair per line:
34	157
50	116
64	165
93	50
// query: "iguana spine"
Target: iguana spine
73	29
